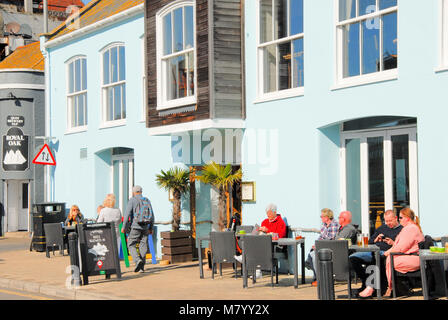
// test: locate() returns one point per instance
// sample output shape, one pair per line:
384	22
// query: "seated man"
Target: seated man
384	238
274	222
346	229
327	232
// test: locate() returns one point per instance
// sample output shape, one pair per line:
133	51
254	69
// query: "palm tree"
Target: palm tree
222	178
177	180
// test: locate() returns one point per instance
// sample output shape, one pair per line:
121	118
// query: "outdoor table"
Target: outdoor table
281	242
288	242
425	255
376	250
295	243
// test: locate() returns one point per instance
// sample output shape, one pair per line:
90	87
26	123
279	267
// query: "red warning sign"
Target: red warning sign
99	264
44	156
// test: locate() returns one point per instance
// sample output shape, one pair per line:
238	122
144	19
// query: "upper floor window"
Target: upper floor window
77	92
366	37
280	45
176	55
114	83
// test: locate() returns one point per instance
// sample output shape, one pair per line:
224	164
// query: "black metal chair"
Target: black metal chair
258	254
53	238
341	262
403	282
223	250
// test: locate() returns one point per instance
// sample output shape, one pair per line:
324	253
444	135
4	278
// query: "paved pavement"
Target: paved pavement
33	272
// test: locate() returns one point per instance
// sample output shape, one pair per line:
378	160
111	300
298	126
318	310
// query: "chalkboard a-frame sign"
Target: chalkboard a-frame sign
98	250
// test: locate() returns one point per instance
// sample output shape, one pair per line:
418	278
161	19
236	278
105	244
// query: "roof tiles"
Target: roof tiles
95	11
26	57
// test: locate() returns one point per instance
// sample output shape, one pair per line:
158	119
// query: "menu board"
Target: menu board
98	250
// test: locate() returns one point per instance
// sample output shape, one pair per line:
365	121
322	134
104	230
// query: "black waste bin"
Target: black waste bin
49	212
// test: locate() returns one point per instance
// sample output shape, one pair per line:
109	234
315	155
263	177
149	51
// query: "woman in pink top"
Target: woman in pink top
406	242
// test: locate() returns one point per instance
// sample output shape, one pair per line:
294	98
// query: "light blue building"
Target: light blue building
96	111
338	106
353	95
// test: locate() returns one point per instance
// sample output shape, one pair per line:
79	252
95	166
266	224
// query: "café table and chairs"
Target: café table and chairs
294	242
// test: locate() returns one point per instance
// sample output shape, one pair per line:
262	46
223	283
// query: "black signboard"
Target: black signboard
98	250
15	150
15	121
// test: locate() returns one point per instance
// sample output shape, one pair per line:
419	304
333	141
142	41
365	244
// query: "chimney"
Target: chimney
28	5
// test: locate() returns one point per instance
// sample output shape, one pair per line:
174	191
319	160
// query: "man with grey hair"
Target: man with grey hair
274	222
139	232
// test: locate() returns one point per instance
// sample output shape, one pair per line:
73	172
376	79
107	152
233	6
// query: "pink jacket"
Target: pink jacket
406	242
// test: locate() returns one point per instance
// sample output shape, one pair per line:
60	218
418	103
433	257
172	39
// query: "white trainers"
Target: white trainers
239	259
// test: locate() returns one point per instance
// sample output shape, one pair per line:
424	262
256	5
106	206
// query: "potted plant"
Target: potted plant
222	178
177	244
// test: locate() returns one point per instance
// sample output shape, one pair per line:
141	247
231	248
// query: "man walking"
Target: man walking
139	217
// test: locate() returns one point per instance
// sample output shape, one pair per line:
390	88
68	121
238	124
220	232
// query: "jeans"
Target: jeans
360	259
141	237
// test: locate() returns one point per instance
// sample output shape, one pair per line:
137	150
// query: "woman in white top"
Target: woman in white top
110	214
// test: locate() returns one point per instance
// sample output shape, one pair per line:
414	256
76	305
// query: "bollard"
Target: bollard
74	258
325	283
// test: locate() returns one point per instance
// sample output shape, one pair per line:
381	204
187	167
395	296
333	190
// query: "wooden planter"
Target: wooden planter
177	246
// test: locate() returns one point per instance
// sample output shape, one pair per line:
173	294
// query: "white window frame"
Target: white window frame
443	36
104	122
162	103
386	133
70	96
339	80
279	94
144	82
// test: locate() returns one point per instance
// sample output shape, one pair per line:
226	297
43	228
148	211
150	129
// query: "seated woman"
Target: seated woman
74	217
406	242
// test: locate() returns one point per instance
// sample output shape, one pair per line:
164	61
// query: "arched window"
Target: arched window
77	93
114	83
176	55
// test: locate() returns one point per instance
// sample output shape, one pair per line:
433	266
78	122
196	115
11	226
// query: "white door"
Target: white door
17	205
122	179
379	170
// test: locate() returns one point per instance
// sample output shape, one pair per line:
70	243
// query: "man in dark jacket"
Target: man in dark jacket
384	238
138	232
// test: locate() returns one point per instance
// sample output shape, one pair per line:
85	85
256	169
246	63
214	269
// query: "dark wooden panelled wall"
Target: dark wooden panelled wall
219	61
202	110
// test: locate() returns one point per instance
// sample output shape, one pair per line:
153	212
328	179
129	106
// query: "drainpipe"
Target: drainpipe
45	16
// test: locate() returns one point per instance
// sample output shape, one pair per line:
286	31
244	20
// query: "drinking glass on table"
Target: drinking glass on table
274	236
359	240
365	239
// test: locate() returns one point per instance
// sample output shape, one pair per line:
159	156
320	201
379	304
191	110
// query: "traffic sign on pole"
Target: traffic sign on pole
45	157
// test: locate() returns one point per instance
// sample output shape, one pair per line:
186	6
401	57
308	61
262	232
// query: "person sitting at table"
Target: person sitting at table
273	223
406	242
383	237
346	229
74	216
328	231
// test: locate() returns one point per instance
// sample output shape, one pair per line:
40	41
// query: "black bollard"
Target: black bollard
74	258
325	283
